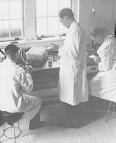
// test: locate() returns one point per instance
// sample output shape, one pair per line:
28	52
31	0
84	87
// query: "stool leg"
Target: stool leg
114	107
13	126
3	131
20	129
110	111
111	104
14	134
4	126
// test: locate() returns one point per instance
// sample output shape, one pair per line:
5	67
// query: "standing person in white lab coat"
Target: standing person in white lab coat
73	87
14	81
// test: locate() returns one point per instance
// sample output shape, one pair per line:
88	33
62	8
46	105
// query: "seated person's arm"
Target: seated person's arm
97	59
25	80
107	57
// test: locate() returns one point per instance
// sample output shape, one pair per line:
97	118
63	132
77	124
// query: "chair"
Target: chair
11	119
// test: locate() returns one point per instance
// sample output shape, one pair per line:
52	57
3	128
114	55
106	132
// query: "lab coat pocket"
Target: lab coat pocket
77	69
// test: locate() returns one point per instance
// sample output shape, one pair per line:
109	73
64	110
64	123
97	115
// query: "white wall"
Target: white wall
105	14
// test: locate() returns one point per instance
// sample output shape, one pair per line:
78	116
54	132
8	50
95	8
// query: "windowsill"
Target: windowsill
47	39
28	43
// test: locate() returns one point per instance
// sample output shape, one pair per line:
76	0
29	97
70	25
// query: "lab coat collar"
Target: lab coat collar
10	61
73	24
108	37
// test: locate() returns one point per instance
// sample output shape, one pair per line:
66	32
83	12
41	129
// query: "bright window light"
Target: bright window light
47	21
11	18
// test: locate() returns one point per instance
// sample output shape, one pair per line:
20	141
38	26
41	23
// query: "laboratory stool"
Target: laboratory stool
111	109
10	119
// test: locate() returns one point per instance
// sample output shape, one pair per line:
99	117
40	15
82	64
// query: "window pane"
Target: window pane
53	7
41	26
4	13
53	25
64	3
62	29
1	15
41	8
15	28
49	10
4	29
15	9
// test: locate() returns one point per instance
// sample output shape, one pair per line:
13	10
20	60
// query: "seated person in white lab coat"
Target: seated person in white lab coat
103	85
73	87
14	81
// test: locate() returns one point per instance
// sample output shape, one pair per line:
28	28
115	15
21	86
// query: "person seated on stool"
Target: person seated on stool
103	85
14	81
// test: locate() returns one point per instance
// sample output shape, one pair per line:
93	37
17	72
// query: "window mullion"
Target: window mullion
47	16
58	10
9	18
35	18
22	19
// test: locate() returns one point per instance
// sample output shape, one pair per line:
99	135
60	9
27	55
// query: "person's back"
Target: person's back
83	44
10	90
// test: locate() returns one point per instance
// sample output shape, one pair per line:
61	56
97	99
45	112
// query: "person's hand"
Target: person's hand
60	51
96	59
54	46
29	69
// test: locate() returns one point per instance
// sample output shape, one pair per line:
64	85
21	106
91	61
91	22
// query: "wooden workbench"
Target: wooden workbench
46	79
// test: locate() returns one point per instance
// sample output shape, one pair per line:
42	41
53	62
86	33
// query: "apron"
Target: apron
73	87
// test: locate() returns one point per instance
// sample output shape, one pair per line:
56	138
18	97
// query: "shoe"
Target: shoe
34	127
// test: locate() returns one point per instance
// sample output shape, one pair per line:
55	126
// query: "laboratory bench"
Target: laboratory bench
45	78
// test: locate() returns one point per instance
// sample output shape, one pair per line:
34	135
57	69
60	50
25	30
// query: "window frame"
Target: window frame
10	19
47	34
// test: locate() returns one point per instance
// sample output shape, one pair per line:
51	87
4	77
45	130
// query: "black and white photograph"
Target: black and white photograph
57	71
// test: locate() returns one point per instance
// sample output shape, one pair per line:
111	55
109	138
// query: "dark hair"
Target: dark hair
11	49
97	31
66	12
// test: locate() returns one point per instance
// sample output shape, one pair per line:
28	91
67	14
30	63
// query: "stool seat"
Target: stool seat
11	118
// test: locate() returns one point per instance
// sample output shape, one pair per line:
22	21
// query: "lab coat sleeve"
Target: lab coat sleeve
25	80
107	57
73	46
60	51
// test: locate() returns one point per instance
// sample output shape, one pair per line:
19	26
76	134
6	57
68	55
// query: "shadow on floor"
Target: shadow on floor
56	113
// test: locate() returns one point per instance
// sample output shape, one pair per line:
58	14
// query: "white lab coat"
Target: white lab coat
73	87
103	85
13	83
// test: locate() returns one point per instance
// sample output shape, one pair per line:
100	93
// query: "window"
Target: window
47	21
10	18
